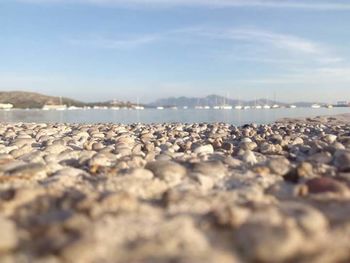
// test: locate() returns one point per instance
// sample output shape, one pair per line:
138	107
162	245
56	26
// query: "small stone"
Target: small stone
97	146
227	146
246	140
8	239
204	149
304	170
257	240
267	148
279	166
228	216
211	168
23	141
324	185
312	221
205	181
276	139
168	171
55	148
330	138
27	169
21	151
140	173
342	160
249	157
100	160
248	146
321	157
298	141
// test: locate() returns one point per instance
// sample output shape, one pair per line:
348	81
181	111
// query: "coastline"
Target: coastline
324	119
184	192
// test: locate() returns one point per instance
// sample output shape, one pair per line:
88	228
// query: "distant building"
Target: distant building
6	106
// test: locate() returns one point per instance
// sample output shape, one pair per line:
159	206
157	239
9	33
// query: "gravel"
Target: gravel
176	192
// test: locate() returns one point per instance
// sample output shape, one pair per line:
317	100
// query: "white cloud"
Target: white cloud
294	4
275	47
283	41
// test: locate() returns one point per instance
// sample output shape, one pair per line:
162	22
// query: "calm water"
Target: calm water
236	117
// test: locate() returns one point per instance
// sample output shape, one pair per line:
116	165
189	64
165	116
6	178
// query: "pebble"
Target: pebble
249	157
324	184
298	141
330	138
55	148
210	168
29	169
175	192
205	149
257	240
342	160
168	171
140	173
9	237
279	166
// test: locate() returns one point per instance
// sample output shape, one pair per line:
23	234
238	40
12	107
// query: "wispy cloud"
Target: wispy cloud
283	41
339	5
276	47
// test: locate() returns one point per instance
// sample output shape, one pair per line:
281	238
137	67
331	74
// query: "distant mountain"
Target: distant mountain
211	100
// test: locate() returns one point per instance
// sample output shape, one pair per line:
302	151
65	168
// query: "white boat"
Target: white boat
198	107
73	108
226	107
173	108
207	107
115	108
160	108
258	107
185	107
6	106
267	107
54	107
51	106
139	107
276	106
216	107
329	106
246	107
315	106
292	106
238	107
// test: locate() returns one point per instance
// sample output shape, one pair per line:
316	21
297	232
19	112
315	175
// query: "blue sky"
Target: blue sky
148	49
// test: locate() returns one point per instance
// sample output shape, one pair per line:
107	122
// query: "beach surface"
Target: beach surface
187	193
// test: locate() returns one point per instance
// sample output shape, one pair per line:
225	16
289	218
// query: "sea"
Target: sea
148	116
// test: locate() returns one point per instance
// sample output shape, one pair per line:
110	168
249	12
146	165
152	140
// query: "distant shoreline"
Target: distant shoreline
326	119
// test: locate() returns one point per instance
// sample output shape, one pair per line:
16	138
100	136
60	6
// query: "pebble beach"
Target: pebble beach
179	193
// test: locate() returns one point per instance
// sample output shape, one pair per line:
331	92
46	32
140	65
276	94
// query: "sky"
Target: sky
96	50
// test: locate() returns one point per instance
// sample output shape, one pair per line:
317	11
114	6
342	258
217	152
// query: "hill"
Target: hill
22	99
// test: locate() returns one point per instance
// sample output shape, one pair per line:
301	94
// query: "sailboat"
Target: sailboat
226	106
50	106
138	106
